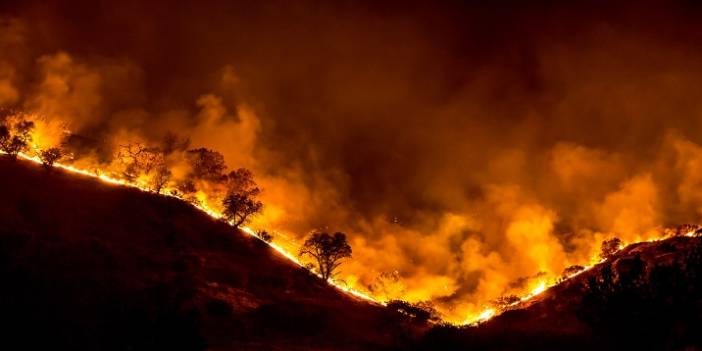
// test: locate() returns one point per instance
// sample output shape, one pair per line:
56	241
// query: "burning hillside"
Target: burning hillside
208	188
98	266
644	296
472	155
90	266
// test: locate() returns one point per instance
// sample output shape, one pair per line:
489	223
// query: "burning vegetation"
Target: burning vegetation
469	168
136	162
147	168
186	281
114	267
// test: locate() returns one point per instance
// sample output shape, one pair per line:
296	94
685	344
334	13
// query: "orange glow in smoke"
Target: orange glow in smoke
481	317
530	229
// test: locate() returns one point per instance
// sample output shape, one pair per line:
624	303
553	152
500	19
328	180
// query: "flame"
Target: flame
544	285
546	188
485	315
529	233
537	290
537	287
105	178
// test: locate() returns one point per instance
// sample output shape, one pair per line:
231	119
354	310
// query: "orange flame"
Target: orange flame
202	207
537	288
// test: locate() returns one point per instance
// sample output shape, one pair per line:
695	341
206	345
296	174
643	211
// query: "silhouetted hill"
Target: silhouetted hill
647	297
89	266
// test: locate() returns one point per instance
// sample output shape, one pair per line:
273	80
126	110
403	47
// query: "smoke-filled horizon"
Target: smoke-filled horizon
467	150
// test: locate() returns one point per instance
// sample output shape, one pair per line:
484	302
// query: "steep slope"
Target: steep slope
88	266
647	296
91	266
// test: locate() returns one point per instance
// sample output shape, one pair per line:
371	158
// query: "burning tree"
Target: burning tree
140	159
506	301
570	271
574	269
240	202
186	186
206	164
328	250
610	247
15	138
264	235
151	161
238	207
241	181
9	144
50	156
160	178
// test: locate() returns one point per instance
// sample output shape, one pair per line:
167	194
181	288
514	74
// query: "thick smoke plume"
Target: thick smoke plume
468	151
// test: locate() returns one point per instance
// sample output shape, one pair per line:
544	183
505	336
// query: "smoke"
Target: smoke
11	35
468	151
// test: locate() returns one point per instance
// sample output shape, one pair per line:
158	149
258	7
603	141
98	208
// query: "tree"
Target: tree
172	143
264	235
206	164
610	247
160	178
6	142
140	159
328	250
240	202
15	139
240	181
239	207
186	186
506	301
50	156
571	270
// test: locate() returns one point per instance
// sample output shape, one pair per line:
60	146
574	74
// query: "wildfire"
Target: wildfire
544	285
485	315
202	207
537	288
459	197
489	313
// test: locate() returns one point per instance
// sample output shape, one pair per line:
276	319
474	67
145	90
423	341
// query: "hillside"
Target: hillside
647	296
90	266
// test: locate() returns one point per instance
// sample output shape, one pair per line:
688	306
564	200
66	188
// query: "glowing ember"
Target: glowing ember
537	290
484	316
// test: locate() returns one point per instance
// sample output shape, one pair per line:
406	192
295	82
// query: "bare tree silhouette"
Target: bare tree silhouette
15	138
50	156
327	250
